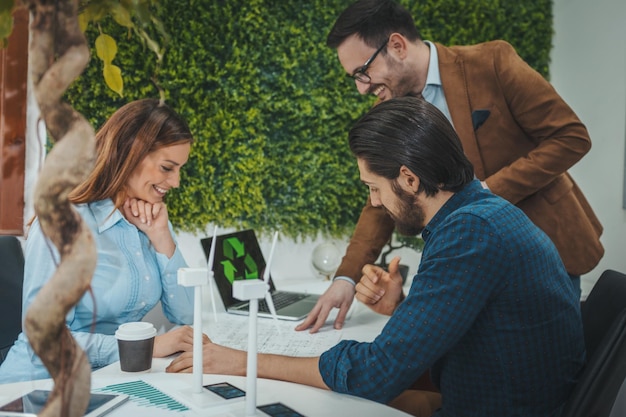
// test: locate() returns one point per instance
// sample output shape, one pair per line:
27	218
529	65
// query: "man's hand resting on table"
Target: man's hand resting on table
381	290
339	295
176	340
216	359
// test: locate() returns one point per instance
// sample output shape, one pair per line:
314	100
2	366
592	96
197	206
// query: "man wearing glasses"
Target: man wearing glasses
519	134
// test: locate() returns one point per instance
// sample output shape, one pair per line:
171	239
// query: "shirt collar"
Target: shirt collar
453	203
433	77
105	213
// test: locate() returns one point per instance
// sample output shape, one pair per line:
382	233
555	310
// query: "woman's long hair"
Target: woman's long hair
135	130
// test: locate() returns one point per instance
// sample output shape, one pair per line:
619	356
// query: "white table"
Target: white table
363	325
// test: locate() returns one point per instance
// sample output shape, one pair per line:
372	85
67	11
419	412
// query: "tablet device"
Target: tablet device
226	390
279	410
32	403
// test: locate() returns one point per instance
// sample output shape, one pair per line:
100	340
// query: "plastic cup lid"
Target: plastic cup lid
138	330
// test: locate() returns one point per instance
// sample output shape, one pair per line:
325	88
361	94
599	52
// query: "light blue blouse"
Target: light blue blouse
130	278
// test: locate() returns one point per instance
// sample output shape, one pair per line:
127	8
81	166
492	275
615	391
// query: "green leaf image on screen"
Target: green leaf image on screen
238	260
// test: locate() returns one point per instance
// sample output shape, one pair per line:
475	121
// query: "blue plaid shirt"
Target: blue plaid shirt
491	311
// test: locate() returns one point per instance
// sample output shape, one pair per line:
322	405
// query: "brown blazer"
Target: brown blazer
521	138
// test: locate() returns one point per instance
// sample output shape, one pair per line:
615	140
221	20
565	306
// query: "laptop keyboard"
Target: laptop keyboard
281	300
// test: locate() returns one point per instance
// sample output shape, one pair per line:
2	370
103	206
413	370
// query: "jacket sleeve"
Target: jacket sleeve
557	139
372	232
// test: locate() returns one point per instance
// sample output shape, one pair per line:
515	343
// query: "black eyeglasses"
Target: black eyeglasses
361	73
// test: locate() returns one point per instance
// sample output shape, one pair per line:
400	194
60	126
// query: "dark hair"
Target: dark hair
412	132
373	21
131	133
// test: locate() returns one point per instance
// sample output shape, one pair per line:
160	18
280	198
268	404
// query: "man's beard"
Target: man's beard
410	218
403	84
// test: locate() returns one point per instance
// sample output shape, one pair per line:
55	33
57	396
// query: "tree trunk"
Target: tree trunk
58	55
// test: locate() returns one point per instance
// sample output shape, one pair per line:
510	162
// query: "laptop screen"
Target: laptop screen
238	256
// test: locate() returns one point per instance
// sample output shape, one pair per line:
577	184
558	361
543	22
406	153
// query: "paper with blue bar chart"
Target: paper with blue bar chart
146	399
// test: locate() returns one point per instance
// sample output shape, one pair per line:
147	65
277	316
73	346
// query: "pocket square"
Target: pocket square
479	117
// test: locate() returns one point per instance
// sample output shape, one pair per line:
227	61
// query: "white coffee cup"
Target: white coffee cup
135	341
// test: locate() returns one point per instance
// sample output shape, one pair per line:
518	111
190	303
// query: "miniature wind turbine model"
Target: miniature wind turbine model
253	290
197	278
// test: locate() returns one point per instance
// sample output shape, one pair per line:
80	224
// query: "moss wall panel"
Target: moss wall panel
270	106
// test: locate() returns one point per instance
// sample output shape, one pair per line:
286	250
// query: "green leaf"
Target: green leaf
113	78
83	20
152	45
6	26
106	48
96	10
122	16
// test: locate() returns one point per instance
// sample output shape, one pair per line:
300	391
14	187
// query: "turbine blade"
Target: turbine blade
270	305
212	251
210	273
266	278
266	273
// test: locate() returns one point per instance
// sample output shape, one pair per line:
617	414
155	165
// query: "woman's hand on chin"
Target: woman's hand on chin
152	219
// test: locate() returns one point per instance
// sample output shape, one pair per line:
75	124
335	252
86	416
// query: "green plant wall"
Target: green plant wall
270	106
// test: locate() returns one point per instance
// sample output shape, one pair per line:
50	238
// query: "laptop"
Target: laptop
238	256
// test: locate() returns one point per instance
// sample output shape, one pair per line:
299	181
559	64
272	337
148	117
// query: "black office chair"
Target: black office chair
11	282
604	324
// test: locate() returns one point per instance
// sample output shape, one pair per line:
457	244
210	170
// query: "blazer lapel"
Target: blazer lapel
452	72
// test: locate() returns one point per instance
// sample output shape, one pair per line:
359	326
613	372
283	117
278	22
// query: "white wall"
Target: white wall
589	70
